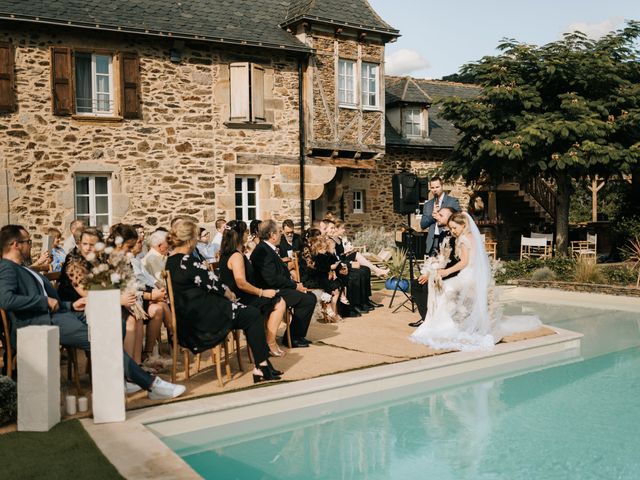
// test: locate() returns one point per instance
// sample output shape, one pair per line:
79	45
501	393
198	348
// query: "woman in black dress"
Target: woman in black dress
207	309
236	272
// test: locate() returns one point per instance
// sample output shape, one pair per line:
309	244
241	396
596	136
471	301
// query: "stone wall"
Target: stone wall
378	194
179	158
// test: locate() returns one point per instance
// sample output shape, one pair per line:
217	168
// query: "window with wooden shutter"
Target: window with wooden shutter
257	93
7	78
239	79
61	81
130	91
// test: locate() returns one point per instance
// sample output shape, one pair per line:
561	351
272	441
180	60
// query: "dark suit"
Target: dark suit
271	272
420	293
21	296
428	222
295	245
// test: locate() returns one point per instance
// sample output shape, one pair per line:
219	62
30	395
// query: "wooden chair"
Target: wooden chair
72	354
6	344
490	246
586	249
53	277
534	248
216	352
548	236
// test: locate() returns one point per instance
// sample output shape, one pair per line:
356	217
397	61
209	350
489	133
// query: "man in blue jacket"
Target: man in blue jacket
30	299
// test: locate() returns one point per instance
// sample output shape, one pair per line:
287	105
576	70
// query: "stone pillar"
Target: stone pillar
107	370
39	378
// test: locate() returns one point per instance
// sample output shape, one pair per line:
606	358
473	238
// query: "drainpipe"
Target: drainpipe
6	181
302	138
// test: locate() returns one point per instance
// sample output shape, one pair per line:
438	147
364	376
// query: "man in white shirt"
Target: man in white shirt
217	238
76	228
155	260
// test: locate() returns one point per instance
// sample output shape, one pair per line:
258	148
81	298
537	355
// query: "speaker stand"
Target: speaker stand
410	257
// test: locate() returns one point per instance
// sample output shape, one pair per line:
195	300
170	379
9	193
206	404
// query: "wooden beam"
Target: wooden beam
595	188
351	163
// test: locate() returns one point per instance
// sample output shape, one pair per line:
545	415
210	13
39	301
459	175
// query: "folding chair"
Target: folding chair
489	246
587	249
215	351
534	248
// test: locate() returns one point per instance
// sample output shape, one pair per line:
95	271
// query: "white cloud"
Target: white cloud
596	30
405	62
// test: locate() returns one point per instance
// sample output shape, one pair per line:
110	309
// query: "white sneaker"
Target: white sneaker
130	388
161	390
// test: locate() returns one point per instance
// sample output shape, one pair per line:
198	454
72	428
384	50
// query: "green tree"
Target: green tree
566	110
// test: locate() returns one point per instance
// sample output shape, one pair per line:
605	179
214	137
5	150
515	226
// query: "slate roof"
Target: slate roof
404	90
350	13
238	22
442	134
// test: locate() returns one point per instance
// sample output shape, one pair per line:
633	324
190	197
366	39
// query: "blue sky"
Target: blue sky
438	37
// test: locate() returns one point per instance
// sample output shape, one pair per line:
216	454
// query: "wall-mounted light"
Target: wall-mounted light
175	56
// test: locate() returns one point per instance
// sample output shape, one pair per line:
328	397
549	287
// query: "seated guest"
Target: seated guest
321	272
236	272
206	308
290	244
75	230
339	236
71	285
154	303
271	272
57	252
122	239
205	248
253	238
142	237
358	280
29	299
216	241
154	261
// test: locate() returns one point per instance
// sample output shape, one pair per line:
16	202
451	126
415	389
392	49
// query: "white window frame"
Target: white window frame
244	191
368	72
94	88
91	217
358	201
347	97
410	132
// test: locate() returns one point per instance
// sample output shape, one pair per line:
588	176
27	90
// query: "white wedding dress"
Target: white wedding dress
463	314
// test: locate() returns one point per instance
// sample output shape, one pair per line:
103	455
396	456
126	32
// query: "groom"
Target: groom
419	287
431	208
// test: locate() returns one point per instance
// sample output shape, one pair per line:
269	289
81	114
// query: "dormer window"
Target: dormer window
413	122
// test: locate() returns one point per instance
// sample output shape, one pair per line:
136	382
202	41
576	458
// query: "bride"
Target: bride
462	313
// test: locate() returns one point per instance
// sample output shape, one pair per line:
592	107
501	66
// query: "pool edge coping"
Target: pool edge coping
120	442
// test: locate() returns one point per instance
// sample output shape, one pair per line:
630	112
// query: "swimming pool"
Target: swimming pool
576	420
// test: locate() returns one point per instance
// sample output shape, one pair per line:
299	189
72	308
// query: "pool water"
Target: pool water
580	420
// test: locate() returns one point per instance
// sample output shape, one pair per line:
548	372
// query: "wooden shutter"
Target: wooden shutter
257	93
130	85
62	81
239	80
7	79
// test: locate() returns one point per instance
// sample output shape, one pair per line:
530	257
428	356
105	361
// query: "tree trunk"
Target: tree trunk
563	182
635	190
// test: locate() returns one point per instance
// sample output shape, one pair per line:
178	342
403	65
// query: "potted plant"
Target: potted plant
396	267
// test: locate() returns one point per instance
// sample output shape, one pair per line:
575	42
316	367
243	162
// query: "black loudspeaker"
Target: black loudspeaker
406	192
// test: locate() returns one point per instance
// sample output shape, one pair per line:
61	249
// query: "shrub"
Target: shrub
8	400
588	272
563	268
544	274
619	274
375	239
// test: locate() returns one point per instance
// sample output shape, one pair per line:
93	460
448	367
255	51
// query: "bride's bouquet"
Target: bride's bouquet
433	264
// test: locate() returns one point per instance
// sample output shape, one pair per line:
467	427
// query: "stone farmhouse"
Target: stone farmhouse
140	111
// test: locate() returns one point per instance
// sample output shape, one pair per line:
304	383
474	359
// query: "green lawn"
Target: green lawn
66	451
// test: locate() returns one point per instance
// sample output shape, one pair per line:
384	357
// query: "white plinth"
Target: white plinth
105	335
38	378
